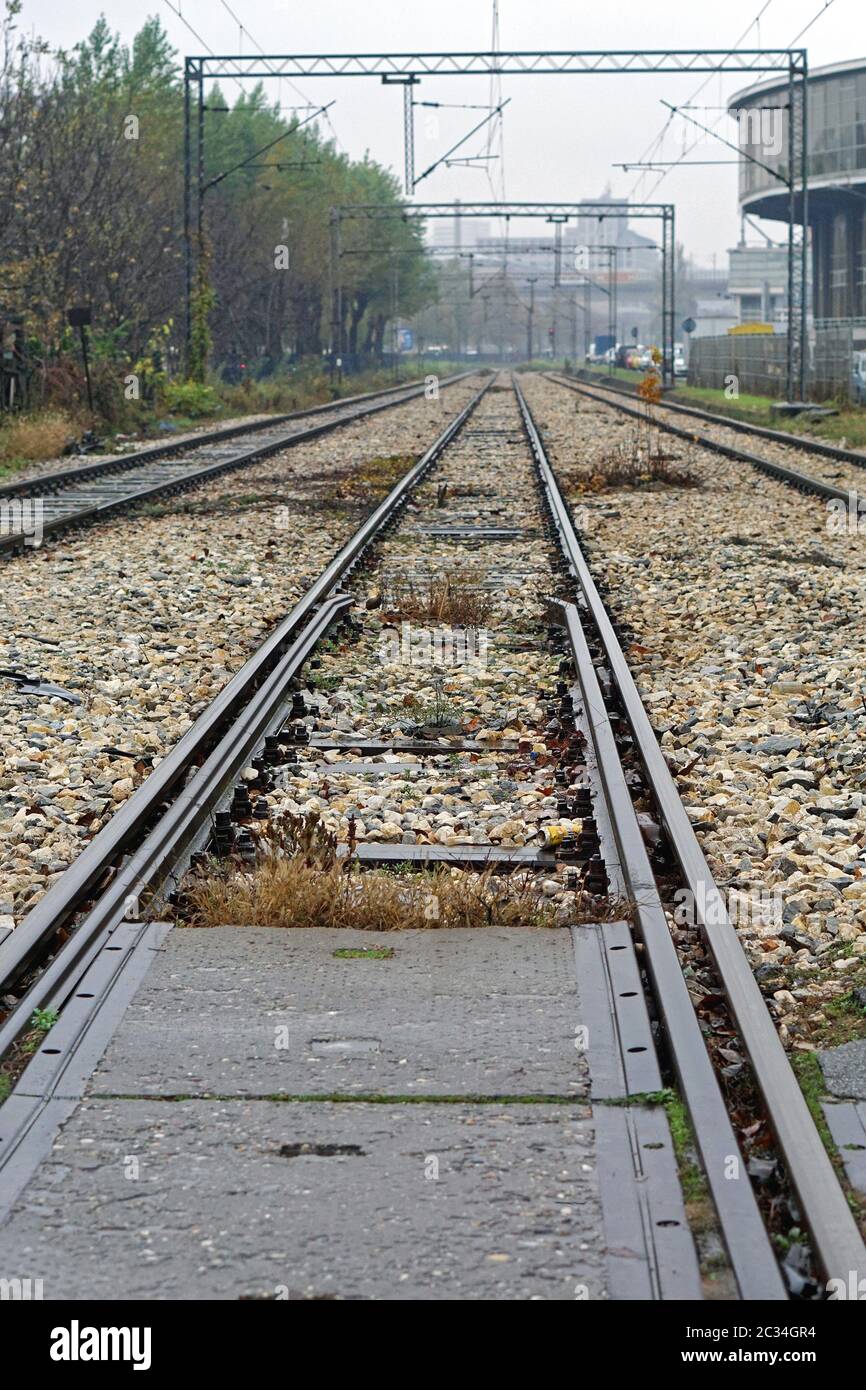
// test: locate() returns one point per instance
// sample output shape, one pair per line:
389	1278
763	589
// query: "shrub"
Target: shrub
191	398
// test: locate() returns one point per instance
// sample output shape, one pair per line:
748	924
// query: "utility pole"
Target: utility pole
611	301
531	283
611	250
395	303
409	135
407	83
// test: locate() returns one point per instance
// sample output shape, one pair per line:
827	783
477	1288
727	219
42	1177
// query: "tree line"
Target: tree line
91	212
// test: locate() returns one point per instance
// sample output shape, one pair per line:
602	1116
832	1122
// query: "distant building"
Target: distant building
758	284
636	254
443	231
465	232
714	317
836	163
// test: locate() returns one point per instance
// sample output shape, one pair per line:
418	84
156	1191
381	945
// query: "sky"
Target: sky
563	135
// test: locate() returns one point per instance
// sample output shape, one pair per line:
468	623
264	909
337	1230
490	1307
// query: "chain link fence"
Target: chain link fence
759	363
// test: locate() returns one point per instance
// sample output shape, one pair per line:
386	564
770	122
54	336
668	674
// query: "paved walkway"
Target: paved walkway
275	1119
844	1105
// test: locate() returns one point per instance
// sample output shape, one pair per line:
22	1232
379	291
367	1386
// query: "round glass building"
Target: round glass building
836	147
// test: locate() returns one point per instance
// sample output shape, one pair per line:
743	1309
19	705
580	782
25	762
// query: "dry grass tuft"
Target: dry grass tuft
290	893
298	881
32	438
450	596
630	466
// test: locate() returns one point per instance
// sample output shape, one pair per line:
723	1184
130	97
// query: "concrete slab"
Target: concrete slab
237	1011
144	1199
434	1164
844	1069
847	1124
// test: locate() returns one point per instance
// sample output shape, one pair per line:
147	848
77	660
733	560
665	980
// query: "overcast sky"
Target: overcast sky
563	135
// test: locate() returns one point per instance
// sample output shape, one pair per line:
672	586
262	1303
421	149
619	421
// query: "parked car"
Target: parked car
858	377
680	368
600	348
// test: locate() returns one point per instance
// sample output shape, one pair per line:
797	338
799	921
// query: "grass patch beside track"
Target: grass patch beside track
847	428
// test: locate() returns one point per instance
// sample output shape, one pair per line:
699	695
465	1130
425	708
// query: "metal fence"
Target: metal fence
758	361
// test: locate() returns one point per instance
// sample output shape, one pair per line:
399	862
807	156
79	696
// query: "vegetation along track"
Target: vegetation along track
491	752
825	470
52	502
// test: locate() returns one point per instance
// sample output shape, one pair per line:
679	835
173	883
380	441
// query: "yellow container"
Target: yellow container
555	834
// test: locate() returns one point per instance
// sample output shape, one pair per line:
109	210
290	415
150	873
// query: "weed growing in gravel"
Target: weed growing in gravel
439	715
324	683
41	1022
454	596
368	478
846	1019
299	881
629	464
43	1019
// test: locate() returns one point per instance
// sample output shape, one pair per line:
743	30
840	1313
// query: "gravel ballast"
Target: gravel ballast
746	618
141	621
474	697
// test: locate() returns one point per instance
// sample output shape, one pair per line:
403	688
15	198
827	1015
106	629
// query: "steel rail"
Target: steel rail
751	1255
836	1239
812	446
100	859
804	482
18	541
27	1124
47	483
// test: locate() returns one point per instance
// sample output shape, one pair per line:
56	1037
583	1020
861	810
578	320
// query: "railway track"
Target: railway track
548	779
834	473
783	437
51	503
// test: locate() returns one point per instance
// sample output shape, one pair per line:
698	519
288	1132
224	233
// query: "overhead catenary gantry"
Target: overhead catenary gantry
558	213
407	69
